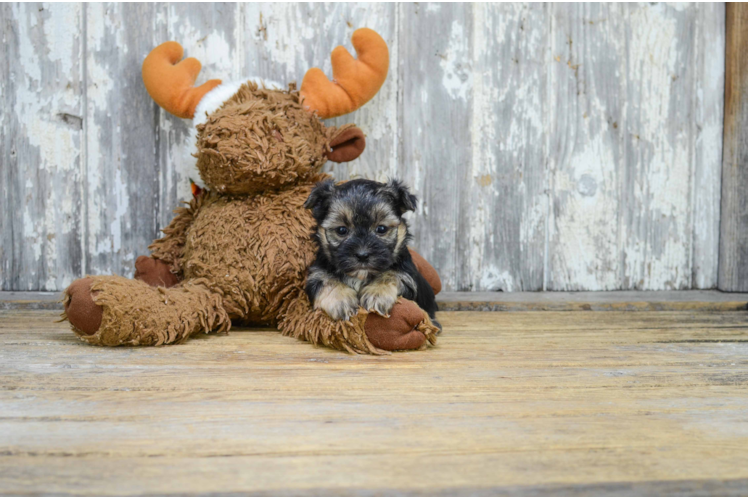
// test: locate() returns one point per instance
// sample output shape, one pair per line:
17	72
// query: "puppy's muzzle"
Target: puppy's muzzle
363	256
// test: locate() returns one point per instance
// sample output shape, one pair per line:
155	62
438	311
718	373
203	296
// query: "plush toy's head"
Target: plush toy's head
251	137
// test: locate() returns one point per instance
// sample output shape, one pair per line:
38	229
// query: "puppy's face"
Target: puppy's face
360	224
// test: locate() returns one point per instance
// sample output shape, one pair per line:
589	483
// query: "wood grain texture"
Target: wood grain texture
708	93
733	249
633	157
553	147
40	156
503	219
585	154
122	168
436	79
658	143
511	402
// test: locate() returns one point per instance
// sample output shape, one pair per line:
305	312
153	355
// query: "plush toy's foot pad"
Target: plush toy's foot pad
408	327
80	309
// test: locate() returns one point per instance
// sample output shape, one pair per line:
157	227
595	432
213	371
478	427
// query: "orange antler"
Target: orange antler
355	81
171	83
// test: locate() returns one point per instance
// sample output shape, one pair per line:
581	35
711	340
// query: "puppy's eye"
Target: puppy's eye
342	230
382	229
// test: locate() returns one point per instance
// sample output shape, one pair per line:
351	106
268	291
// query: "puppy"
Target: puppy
363	256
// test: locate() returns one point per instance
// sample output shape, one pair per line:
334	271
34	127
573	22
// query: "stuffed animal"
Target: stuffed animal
240	250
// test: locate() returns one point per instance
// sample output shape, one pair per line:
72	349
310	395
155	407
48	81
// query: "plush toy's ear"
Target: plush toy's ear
401	198
354	81
347	144
319	199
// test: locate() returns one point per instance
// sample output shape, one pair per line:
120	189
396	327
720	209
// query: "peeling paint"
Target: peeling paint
456	64
47	150
611	153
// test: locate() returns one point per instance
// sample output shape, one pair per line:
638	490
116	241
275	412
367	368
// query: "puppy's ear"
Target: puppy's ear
319	199
400	197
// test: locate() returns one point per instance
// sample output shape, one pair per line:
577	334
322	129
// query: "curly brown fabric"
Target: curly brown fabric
134	313
260	140
170	248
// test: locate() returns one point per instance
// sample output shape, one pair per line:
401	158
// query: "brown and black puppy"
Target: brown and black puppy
363	256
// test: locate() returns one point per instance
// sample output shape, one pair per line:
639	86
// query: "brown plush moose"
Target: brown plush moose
240	251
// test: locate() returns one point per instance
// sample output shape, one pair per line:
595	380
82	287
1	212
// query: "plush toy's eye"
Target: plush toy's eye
342	230
382	229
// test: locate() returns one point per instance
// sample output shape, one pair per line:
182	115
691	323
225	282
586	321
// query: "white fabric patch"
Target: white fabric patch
187	167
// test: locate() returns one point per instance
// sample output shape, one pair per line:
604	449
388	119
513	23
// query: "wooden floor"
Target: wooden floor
507	403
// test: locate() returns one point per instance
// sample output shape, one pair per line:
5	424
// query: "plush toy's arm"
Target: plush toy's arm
170	248
155	272
427	271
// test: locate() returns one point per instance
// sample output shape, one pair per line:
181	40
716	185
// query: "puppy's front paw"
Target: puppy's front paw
379	298
339	302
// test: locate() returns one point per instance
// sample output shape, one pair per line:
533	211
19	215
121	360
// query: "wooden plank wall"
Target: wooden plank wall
553	146
733	267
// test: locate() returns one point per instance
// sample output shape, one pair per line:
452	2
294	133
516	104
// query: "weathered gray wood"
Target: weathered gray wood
587	69
122	170
502	222
40	155
733	246
557	147
624	147
655	129
661	144
708	93
436	81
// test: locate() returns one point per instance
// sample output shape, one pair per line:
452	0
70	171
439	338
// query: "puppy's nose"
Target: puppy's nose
362	255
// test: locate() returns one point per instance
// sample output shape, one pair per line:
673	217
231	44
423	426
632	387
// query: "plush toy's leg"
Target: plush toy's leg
408	327
111	310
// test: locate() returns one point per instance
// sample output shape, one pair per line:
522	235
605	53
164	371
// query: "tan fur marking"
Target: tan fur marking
340	214
402	232
337	300
323	241
383	214
380	295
